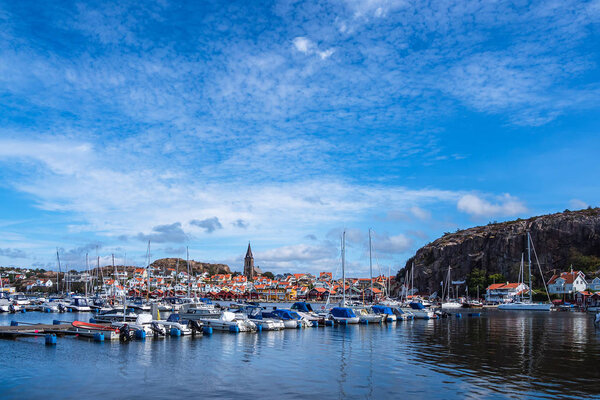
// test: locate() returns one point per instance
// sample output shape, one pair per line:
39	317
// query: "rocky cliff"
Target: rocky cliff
562	239
195	266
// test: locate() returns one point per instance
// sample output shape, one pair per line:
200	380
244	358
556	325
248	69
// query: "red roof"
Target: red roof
569	277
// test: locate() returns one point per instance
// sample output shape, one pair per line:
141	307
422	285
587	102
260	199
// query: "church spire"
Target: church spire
249	264
249	252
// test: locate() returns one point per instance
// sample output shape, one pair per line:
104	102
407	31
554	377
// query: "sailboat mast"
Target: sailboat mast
87	266
343	269
529	265
115	277
187	260
148	274
371	265
57	272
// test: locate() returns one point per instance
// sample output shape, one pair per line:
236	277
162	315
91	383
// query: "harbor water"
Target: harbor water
497	355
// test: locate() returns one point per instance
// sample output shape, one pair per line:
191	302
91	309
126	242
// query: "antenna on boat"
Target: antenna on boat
343	269
148	274
58	272
187	260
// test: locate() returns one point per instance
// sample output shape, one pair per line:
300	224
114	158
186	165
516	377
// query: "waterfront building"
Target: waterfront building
594	285
505	292
567	283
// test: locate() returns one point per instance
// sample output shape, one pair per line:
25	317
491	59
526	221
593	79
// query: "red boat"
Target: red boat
94	327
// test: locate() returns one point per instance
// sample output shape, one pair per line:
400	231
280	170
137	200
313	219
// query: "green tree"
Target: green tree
476	278
268	275
497	278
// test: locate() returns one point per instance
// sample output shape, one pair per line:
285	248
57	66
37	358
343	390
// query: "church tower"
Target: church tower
249	264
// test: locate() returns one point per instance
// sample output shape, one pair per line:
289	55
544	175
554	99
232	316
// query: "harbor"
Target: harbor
494	355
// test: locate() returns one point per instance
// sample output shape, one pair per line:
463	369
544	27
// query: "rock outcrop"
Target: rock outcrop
561	239
195	266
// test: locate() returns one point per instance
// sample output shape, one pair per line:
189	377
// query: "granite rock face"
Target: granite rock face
497	248
195	266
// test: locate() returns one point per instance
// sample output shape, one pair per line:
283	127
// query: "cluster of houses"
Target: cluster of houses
285	287
572	285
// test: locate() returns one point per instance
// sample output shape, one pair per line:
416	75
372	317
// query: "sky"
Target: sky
209	125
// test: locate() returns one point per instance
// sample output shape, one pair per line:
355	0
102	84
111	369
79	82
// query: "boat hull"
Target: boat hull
525	307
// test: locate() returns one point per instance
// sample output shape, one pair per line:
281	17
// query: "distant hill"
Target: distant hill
561	240
195	266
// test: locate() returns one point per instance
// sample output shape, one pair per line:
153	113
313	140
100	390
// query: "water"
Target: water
499	355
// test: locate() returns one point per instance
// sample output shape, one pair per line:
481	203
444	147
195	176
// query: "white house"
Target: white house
594	285
567	282
43	283
505	292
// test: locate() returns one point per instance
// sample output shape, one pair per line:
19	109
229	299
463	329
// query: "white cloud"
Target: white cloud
506	205
308	47
396	244
420	213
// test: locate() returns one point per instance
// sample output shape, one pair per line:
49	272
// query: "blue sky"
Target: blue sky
212	124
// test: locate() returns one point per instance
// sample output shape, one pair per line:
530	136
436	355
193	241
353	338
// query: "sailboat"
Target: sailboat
528	304
343	315
450	304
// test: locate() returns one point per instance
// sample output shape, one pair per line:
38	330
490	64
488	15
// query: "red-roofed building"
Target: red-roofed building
505	292
567	282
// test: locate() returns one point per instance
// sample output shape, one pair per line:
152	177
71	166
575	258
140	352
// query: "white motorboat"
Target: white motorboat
419	311
525	306
254	314
228	322
451	305
20	299
200	311
79	304
366	316
387	313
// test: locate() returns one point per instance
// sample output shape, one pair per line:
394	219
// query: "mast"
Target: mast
529	265
371	265
57	272
187	260
148	274
389	280
99	273
412	281
343	269
115	277
87	266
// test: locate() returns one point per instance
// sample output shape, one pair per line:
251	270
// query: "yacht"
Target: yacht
79	304
229	322
344	315
255	314
291	319
386	312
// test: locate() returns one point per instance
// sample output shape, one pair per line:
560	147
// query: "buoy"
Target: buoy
175	332
234	328
343	322
458	315
207	330
98	337
365	322
315	323
389	319
46	310
55	322
329	322
14	323
23	310
140	334
259	328
50	339
475	314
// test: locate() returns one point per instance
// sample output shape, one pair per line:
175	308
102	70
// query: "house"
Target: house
505	292
140	273
567	282
43	283
594	285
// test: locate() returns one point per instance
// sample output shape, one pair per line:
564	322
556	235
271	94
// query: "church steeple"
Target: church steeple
249	264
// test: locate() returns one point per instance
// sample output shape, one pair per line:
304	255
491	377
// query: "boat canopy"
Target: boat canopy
417	306
282	314
382	310
302	306
342	312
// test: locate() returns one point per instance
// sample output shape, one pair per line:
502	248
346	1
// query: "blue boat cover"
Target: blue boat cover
282	314
342	312
417	306
302	306
382	310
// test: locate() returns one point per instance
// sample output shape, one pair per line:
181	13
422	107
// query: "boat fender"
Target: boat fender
98	337
46	310
458	315
315	323
234	329
50	339
207	330
56	322
69	309
14	323
389	319
343	322
259	327
175	332
329	323
475	314
140	334
23	310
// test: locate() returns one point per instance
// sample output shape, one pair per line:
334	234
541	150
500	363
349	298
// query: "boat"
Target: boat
291	319
79	304
366	316
528	304
386	312
344	315
114	315
306	311
450	304
199	311
255	314
419	311
229	322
